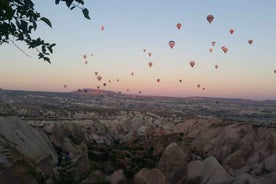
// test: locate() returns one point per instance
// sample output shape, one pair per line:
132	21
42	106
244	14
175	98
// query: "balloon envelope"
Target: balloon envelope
149	54
213	43
231	31
210	18
158	80
150	64
84	56
192	63
275	71
211	50
99	78
224	49
171	43
216	66
102	28
96	73
250	41
178	25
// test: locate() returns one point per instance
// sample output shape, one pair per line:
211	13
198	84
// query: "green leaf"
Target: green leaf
85	13
69	2
47	21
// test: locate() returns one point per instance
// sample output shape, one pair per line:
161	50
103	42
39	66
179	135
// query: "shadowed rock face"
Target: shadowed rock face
28	141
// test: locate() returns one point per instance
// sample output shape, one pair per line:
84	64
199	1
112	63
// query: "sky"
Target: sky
245	71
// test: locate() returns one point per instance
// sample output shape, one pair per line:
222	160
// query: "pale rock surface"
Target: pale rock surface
116	177
149	176
173	163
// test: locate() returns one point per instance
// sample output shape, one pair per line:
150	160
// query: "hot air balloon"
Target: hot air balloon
65	86
149	54
158	80
99	78
150	64
225	50
210	18
203	88
231	31
96	73
198	85
275	71
102	28
140	92
109	81
144	50
171	43
127	90
211	50
250	41
98	87
86	62
132	73
213	43
180	80
117	80
104	84
178	25
192	63
84	56
216	66
91	55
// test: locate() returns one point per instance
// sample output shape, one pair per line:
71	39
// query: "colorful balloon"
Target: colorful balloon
102	28
210	18
158	80
180	80
127	90
149	54
84	56
118	80
171	43
216	66
211	50
198	85
213	43
65	86
109	81
203	88
98	87
192	63
178	25
132	73
104	84
99	78
96	73
150	64
225	50
275	71
231	31
140	92
86	62
144	50
250	41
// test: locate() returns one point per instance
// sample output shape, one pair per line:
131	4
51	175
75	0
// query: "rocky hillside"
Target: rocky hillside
137	147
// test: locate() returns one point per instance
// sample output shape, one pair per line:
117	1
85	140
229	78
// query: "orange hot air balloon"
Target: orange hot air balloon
84	56
171	43
231	31
178	25
65	86
96	73
132	73
144	50
216	66
210	18
99	78
225	50
150	64
211	50
180	80
192	63
213	43
275	71
102	28
198	85
158	80
86	62
250	41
